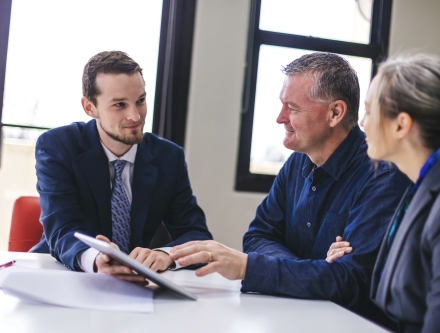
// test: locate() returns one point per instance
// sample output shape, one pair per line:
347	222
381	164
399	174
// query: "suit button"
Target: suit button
313	188
309	224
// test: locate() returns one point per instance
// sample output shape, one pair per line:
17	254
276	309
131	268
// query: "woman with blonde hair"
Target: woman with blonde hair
402	126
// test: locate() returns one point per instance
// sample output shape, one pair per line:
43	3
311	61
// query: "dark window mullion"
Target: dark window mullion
173	70
25	126
317	44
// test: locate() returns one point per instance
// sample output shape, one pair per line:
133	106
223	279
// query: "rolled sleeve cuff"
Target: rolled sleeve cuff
261	274
167	251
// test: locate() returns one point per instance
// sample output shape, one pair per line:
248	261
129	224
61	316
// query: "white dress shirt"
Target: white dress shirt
87	257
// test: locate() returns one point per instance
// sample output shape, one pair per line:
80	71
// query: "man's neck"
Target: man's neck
322	154
119	151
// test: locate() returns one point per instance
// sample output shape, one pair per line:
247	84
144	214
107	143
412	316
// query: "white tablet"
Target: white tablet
124	259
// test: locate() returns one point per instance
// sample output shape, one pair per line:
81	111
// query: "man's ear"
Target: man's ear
337	111
89	107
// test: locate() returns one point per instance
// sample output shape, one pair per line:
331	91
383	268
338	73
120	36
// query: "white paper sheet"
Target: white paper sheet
76	290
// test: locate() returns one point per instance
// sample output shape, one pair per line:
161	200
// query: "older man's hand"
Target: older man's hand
219	258
338	249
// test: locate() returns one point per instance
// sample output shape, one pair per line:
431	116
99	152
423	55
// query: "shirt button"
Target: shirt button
313	188
309	224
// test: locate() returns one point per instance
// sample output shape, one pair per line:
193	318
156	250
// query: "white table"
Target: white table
220	308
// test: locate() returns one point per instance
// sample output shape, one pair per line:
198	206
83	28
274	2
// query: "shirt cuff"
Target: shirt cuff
256	278
86	259
167	251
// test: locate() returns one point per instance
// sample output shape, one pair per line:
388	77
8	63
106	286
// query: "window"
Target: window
50	41
44	46
281	31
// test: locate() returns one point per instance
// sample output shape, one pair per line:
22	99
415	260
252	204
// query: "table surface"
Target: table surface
220	308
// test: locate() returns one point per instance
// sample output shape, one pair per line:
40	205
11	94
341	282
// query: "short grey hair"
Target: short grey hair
411	84
334	77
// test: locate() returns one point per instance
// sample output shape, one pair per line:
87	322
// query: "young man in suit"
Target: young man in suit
107	179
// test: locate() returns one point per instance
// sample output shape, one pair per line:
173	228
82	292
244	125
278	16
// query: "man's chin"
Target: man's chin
131	139
288	144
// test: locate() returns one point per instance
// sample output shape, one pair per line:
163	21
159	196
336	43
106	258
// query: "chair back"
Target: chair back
26	229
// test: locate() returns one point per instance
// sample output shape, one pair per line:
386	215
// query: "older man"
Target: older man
328	187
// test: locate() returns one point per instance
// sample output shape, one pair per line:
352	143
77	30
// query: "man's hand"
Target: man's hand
338	249
105	264
228	262
155	260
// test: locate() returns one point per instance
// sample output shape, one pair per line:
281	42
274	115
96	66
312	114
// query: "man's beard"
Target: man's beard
131	140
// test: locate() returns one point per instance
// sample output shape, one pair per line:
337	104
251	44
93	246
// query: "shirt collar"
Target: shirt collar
129	156
339	159
429	164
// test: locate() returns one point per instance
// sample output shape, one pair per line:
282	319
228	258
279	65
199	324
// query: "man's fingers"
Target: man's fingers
196	258
208	269
338	238
103	258
149	260
158	264
338	254
115	269
140	254
342	249
176	254
335	256
339	245
105	239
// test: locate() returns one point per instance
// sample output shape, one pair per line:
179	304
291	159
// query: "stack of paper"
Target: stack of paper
76	290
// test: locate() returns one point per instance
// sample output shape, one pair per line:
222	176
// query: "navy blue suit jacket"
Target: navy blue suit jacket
74	187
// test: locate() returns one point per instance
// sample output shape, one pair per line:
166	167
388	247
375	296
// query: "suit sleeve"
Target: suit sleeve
185	220
60	211
431	322
345	281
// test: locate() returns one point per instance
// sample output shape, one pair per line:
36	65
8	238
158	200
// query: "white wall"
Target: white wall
415	25
215	101
214	117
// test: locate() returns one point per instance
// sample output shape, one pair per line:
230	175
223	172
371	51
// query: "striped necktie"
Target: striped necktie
120	210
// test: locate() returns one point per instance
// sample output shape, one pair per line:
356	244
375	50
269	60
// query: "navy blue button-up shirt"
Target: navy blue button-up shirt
306	209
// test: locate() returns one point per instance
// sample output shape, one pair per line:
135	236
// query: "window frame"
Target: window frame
173	68
377	50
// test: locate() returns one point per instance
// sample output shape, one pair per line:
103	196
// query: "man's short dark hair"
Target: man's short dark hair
107	62
334	79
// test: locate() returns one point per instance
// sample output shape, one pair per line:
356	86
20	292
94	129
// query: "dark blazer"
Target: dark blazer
409	289
74	187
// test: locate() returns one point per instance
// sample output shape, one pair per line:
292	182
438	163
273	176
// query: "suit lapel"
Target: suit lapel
421	199
94	163
144	183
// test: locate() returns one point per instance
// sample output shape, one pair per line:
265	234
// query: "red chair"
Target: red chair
26	229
